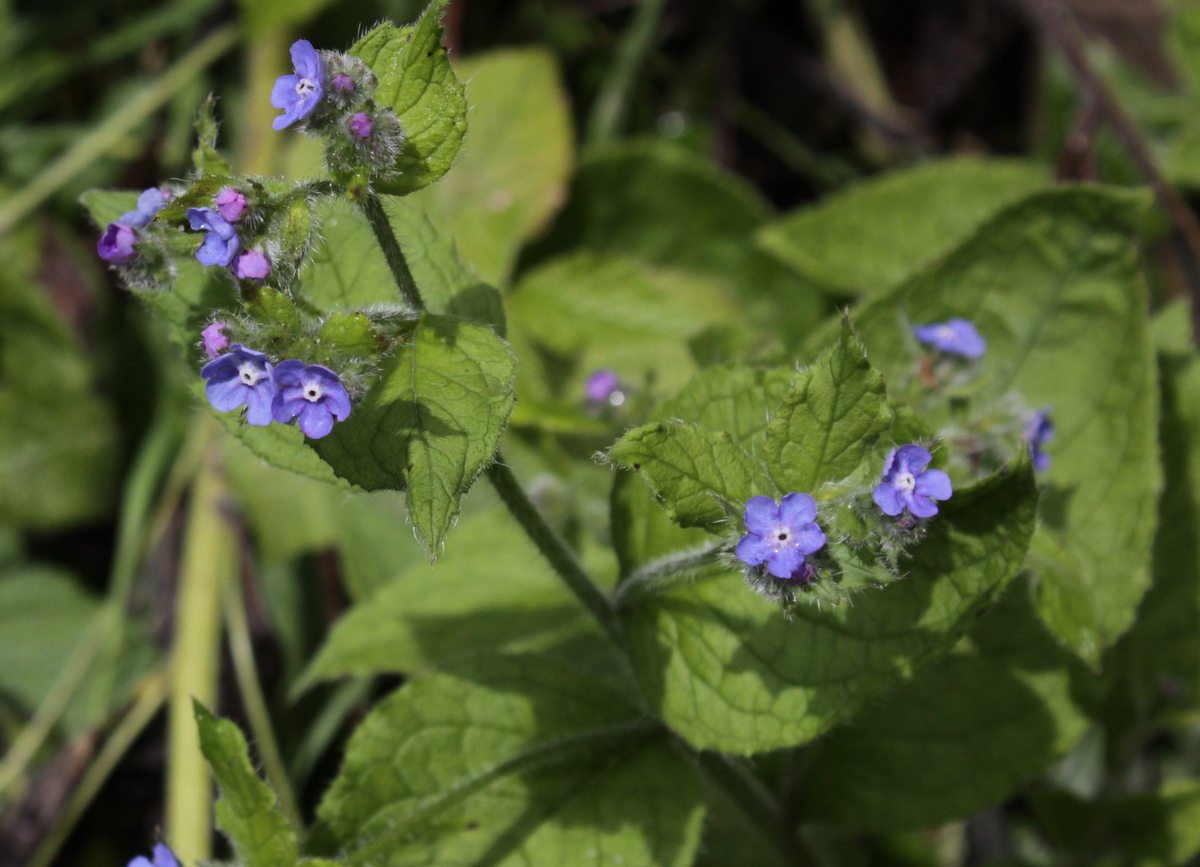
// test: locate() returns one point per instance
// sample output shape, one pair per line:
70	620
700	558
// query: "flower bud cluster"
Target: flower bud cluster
331	94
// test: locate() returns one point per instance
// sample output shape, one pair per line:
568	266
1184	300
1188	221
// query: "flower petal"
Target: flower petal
753	550
224	367
796	510
934	484
140	861
338	401
316	420
290	373
809	539
887	498
284	410
912	459
761	515
306	61
283	94
258	404
785	561
889	463
164	857
226	394
922	507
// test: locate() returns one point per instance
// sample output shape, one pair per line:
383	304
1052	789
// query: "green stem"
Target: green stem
372	207
553	548
150	699
608	112
338	707
744	788
657	575
208	558
110	131
242	650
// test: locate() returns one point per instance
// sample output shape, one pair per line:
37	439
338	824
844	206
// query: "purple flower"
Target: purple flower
149	203
116	244
299	94
214	340
781	535
1038	432
312	392
958	337
163	857
908	485
231	204
221	243
342	82
362	125
601	385
241	376
252	265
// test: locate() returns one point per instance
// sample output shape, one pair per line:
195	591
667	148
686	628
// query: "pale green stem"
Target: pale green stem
608	112
553	548
242	650
209	556
258	149
149	700
109	132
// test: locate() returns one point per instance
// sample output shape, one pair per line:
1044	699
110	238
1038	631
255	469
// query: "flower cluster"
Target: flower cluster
311	393
333	94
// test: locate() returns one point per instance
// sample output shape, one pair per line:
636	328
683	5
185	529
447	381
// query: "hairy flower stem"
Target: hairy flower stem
668	571
209	555
372	207
553	548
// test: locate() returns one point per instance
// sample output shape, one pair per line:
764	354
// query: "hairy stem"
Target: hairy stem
242	650
667	571
110	131
149	699
553	548
608	112
372	207
208	558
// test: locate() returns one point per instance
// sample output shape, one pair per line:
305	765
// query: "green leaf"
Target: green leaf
702	476
1054	285
494	594
247	812
733	398
728	670
205	158
642	530
661	203
348	270
609	312
512	174
431	424
43	613
517	761
881	232
963	734
829	421
417	82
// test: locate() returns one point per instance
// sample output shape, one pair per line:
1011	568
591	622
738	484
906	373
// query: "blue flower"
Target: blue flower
299	94
908	485
312	392
221	242
1038	432
231	204
241	376
601	385
781	535
163	857
117	243
958	337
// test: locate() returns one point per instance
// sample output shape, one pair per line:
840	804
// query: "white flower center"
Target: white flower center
304	87
905	482
313	391
249	373
945	332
